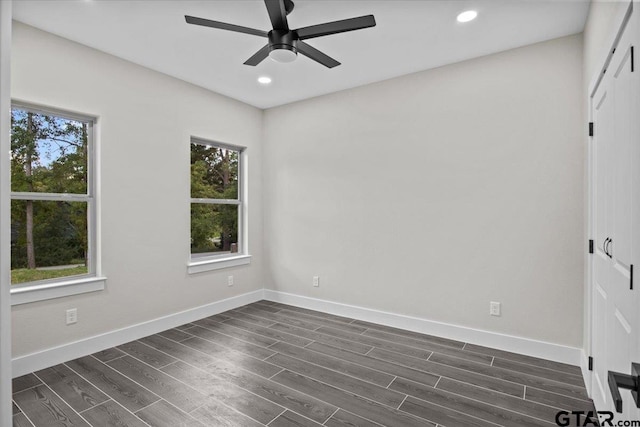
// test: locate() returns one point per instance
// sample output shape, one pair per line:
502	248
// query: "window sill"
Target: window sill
217	264
45	291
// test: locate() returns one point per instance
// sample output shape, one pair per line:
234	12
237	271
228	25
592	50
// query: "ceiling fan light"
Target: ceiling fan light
283	55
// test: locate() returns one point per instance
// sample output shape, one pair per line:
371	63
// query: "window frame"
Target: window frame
92	281
225	260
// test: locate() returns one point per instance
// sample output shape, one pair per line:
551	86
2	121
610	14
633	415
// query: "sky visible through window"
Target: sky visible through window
49	148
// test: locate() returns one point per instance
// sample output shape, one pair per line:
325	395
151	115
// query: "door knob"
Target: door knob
630	382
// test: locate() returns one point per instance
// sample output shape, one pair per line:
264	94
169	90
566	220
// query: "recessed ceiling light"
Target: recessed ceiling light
468	15
264	80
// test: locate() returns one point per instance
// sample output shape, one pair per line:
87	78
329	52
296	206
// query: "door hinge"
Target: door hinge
631	277
590	246
590	128
590	363
633	65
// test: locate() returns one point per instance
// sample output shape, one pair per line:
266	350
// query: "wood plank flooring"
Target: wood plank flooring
271	364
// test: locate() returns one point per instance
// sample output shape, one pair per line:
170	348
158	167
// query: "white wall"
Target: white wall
434	193
427	195
145	122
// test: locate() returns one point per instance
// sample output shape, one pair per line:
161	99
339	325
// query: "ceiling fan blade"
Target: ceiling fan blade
336	27
316	55
277	14
258	57
224	26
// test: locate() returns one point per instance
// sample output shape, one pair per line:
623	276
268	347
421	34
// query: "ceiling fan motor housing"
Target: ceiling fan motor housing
279	39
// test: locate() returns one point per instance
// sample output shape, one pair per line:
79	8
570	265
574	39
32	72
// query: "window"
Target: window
52	201
217	206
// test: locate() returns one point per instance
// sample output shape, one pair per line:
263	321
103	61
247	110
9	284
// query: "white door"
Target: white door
615	108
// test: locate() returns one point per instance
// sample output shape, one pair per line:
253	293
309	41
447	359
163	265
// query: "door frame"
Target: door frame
5	213
622	20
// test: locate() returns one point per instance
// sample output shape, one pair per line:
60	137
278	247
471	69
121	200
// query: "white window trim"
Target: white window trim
25	293
217	262
58	289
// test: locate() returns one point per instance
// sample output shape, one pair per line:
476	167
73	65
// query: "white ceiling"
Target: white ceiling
410	36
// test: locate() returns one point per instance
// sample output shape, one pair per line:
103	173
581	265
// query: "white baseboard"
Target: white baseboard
527	346
53	356
43	359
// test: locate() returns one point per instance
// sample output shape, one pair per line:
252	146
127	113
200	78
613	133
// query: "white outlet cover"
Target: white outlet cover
494	308
230	280
72	316
316	281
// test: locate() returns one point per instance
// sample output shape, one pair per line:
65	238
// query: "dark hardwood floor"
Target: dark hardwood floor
282	366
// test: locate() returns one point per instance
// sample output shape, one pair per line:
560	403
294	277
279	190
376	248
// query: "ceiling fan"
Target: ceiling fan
284	43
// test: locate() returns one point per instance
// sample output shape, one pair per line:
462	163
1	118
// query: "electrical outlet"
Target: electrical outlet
230	280
72	316
494	308
316	281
